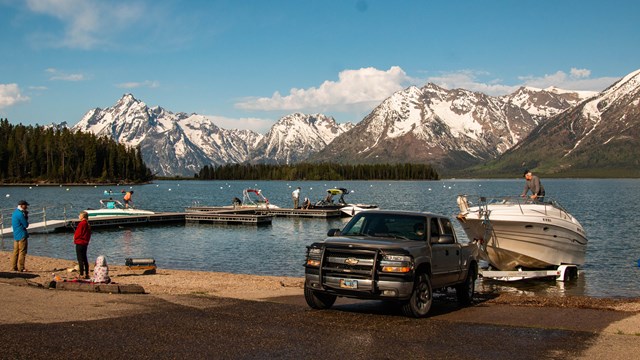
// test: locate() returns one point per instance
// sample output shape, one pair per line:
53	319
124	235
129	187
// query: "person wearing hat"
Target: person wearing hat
20	223
533	183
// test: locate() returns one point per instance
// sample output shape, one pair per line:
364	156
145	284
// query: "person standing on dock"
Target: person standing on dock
81	239
295	195
533	183
20	223
127	198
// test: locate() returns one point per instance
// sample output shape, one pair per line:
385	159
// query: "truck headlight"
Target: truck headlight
396	264
314	255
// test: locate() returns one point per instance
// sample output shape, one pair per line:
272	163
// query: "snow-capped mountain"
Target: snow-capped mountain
181	144
545	103
603	132
171	144
452	128
297	136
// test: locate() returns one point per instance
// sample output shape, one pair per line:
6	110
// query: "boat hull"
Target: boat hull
118	212
353	209
526	236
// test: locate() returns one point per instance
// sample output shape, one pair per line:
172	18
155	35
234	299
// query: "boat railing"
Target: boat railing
483	202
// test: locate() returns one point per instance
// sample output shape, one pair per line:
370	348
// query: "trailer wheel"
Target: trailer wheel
421	299
465	290
317	300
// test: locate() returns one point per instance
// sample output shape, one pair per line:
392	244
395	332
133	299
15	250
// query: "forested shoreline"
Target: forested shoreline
57	155
39	154
319	171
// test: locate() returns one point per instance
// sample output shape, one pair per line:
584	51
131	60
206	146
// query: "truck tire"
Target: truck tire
421	299
465	290
318	300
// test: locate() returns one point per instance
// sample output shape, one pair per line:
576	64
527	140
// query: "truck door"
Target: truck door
445	252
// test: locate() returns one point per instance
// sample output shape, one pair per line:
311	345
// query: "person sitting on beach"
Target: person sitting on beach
101	271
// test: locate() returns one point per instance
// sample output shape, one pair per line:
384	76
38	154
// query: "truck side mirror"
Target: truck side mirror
333	232
442	239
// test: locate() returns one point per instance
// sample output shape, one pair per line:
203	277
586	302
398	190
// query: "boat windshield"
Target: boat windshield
401	226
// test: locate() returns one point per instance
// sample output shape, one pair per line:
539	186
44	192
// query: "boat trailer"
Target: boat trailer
562	273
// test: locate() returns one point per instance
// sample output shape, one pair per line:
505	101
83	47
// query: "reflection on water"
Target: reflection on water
606	208
546	286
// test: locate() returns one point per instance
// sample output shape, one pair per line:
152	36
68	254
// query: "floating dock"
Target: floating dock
229	218
272	211
206	214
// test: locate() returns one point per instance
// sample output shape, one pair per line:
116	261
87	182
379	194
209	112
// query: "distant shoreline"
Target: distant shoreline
72	184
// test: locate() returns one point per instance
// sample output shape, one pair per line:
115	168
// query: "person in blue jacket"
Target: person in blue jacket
20	223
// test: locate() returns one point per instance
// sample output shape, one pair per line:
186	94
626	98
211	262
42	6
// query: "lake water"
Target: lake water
607	210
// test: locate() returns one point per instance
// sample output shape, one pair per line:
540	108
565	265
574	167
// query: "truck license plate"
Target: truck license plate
348	284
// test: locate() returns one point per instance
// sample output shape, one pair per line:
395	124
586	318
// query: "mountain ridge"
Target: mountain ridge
455	130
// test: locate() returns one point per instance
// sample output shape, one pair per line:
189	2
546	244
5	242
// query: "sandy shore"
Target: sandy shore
168	282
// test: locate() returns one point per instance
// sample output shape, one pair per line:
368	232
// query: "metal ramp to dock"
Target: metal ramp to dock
41	227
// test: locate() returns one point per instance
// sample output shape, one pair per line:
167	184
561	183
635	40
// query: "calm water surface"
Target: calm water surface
606	209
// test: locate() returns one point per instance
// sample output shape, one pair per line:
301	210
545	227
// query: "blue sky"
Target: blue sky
248	63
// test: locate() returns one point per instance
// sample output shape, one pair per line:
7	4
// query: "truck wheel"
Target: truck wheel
317	300
421	299
465	290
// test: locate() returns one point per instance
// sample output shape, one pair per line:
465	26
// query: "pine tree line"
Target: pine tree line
321	171
51	155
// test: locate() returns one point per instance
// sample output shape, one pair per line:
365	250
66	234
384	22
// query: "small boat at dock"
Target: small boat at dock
111	207
347	209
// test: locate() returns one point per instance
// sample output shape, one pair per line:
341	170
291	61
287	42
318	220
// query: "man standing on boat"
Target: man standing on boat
295	195
533	183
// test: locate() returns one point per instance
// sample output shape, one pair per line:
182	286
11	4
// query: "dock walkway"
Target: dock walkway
205	214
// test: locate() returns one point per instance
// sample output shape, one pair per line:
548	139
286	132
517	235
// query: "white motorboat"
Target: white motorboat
352	209
346	209
260	201
110	207
518	233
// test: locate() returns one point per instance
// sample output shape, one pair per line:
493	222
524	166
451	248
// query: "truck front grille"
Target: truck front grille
349	263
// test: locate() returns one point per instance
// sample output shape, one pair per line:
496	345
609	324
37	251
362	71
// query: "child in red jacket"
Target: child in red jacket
81	238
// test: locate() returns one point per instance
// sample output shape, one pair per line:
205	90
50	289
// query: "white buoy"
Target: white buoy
8	195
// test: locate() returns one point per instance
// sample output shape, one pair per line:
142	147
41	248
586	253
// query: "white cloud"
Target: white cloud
10	95
354	89
468	80
577	79
60	75
134	85
86	21
580	73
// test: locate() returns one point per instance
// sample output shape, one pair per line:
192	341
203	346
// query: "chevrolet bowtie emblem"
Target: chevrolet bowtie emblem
351	261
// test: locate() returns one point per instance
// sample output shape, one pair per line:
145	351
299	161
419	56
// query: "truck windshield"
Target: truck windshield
399	226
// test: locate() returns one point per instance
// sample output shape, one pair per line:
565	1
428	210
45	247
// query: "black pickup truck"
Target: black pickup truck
391	255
